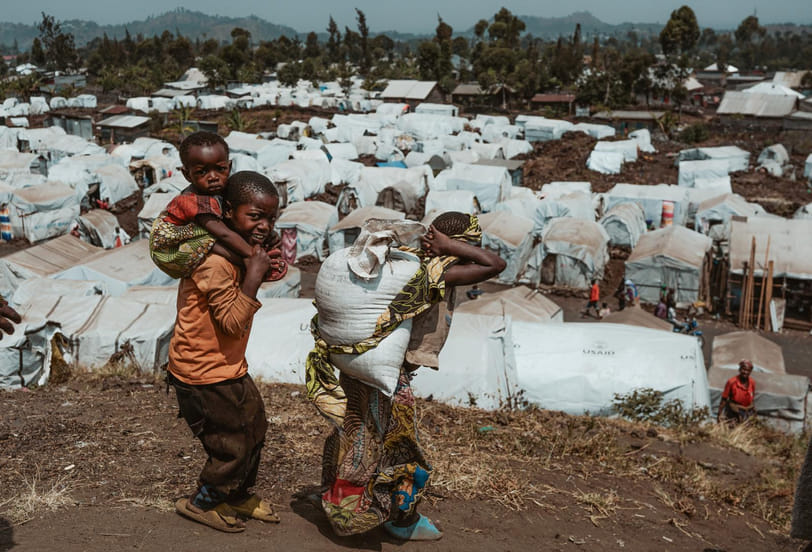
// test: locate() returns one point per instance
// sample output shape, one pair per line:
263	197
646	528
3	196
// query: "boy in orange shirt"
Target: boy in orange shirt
207	366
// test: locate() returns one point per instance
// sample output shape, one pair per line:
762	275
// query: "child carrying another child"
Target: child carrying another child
192	224
207	366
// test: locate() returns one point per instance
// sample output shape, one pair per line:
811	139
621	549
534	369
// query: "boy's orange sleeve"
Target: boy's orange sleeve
230	308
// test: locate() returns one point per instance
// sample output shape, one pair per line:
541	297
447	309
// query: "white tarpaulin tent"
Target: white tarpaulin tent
119	268
736	158
689	171
511	237
42	260
476	365
579	368
25	355
596	131
605	162
790	246
442	201
625	223
651	199
101	228
627	147
557	189
414	182
672	257
43	211
808	167
719	210
305	224
346	231
490	184
576	250
304	177
115	182
643	138
279	356
774	159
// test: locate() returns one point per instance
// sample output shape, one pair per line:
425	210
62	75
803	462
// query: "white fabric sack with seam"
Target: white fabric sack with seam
349	308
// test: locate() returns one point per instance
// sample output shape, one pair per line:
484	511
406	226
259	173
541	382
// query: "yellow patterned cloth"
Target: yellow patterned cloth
178	250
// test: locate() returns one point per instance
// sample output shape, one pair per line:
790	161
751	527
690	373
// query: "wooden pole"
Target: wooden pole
748	313
743	296
768	298
763	280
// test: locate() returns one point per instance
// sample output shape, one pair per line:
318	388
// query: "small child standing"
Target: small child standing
208	369
192	224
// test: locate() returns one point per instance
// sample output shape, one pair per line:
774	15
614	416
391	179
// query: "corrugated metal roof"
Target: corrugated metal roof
790	79
408	89
468	90
756	105
553	98
124	121
630	115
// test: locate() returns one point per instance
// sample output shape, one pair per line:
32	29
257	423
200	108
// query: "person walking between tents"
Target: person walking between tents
594	298
737	405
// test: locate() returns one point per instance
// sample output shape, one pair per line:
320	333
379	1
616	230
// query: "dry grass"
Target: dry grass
37	496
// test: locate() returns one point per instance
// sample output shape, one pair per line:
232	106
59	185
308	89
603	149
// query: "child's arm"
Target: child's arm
256	266
229	239
477	264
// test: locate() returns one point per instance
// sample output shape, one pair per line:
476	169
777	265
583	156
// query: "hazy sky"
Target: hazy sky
414	15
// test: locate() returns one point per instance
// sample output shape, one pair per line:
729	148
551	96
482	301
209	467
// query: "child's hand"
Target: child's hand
258	263
435	243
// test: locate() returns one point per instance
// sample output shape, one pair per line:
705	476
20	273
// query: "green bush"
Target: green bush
695	133
646	405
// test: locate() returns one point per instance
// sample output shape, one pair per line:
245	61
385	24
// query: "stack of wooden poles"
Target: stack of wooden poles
765	295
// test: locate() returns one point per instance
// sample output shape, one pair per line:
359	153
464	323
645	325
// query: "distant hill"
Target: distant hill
191	24
553	27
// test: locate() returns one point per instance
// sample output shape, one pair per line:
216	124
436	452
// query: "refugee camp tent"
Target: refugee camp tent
539	129
627	147
303	178
437	109
410	182
808	167
42	211
689	171
400	196
720	209
464	156
605	162
557	189
790	246
652	199
737	158
490	184
279	356
25	355
344	150
14	162
596	131
416	158
477	364
153	206
344	233
774	159
101	228
635	316
672	257
115	182
36	285
441	201
643	138
580	368
119	268
42	260
512	147
803	212
572	253
268	153
511	237
779	397
424	126
624	223
303	227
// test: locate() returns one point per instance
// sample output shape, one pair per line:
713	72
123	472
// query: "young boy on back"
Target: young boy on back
207	365
192	224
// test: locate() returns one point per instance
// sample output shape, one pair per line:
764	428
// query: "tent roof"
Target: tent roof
510	228
409	89
577	232
521	303
123	121
772	88
357	218
790	246
757	105
676	242
314	213
635	316
54	255
728	349
736	203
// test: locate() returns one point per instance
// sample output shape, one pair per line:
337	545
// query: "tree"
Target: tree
59	48
289	74
363	32
333	42
749	37
312	48
681	32
216	70
37	53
